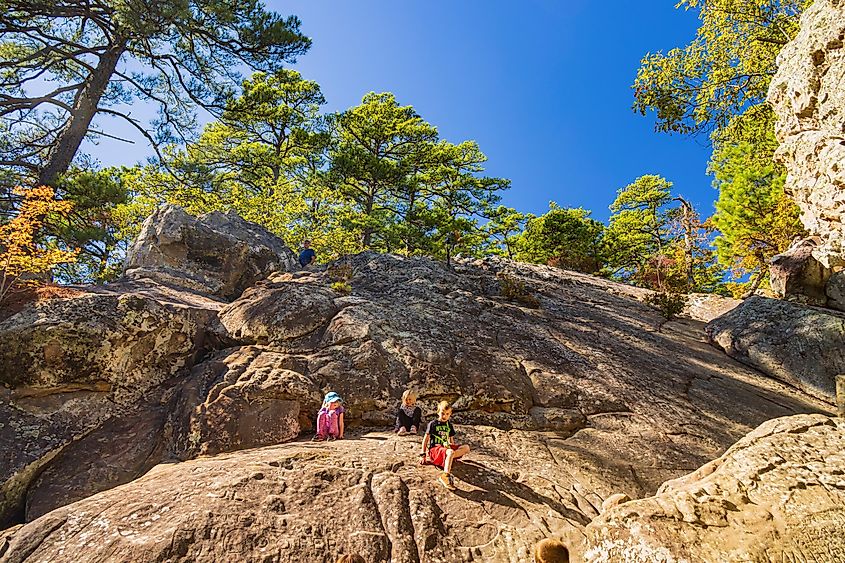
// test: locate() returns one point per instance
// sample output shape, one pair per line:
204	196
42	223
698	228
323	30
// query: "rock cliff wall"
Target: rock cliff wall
808	95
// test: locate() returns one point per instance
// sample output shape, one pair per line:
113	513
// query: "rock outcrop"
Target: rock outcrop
708	306
777	495
218	254
585	393
797	275
590	394
809	99
70	366
801	346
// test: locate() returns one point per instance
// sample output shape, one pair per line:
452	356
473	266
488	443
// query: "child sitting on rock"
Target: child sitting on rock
438	446
330	418
409	415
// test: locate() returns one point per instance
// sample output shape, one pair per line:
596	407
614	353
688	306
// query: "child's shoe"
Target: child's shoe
401	431
446	480
318	438
413	429
331	438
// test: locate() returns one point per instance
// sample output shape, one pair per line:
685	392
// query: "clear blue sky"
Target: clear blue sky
544	86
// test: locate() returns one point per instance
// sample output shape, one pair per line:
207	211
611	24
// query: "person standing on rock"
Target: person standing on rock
409	416
330	418
307	256
438	446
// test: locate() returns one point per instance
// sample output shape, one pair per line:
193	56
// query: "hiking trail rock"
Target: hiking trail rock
776	495
802	346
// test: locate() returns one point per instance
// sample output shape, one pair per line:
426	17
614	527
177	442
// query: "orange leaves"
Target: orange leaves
24	253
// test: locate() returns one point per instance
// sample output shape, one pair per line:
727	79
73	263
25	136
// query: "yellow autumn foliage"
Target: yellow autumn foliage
24	256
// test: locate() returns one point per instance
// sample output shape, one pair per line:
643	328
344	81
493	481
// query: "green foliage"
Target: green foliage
564	238
63	66
513	289
91	225
639	227
265	159
504	229
756	220
341	287
409	190
669	303
656	240
724	70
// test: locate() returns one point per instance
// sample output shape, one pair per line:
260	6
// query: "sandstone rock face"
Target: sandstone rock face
802	346
253	400
68	366
590	394
835	291
777	495
127	338
707	306
809	99
218	254
798	276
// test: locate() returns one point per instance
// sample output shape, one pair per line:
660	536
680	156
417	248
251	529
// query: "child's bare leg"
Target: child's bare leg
447	465
452	455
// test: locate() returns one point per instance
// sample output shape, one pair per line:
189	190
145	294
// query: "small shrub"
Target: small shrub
513	289
669	303
342	287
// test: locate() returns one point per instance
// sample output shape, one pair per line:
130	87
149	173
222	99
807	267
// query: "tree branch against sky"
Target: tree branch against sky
64	62
724	70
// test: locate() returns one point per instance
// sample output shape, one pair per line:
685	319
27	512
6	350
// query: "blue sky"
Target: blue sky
544	86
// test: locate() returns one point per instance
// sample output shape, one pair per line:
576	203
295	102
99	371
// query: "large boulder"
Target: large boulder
218	254
255	398
796	274
808	95
707	306
802	346
777	495
67	366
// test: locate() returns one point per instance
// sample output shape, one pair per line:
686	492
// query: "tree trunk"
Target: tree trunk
367	237
755	284
84	110
689	243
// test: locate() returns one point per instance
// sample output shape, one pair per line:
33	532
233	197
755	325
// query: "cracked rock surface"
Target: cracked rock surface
809	99
565	406
776	495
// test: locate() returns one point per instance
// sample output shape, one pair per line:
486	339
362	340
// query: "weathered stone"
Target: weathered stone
125	337
219	254
254	400
796	275
305	502
801	346
593	389
776	495
69	365
809	100
836	291
707	306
